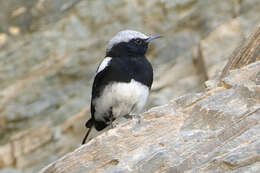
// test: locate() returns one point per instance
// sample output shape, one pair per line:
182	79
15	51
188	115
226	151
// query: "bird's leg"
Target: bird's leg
111	118
111	121
132	116
138	117
128	116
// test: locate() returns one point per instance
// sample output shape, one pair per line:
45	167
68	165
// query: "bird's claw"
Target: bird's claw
138	117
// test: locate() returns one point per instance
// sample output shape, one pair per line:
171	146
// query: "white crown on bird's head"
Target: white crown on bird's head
125	36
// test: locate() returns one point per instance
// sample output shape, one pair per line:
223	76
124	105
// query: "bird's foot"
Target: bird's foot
128	116
138	117
114	124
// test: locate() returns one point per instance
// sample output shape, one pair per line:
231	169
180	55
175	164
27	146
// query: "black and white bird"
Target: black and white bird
123	80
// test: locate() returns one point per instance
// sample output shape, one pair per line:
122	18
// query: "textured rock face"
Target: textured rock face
49	51
29	15
213	131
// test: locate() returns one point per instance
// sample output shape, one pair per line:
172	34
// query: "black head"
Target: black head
129	43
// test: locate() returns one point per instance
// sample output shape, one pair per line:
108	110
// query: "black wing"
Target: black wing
119	70
113	72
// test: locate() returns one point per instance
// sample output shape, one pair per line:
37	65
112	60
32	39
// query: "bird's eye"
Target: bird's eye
138	41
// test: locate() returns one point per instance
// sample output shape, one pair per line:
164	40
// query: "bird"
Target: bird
122	81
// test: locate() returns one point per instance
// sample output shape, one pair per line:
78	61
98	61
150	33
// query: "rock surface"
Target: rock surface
49	51
213	131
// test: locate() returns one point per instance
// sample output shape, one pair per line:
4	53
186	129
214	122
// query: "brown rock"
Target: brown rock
26	142
245	54
248	76
214	52
6	155
77	122
29	140
2	123
173	74
3	39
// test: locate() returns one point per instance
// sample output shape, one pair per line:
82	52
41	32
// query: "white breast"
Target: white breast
123	98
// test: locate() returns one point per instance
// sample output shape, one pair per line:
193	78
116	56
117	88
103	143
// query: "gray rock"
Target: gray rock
29	15
10	170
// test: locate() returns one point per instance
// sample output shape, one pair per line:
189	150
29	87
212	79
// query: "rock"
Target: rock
213	55
31	139
10	170
248	76
29	15
76	123
213	50
22	144
3	39
181	78
6	155
244	54
197	138
2	123
213	131
47	69
175	73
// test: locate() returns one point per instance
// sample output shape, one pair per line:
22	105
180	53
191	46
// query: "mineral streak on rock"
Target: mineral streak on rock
246	53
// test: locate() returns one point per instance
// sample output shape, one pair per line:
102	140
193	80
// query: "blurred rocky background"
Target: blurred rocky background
49	51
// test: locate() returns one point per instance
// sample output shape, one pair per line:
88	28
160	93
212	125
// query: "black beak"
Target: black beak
152	38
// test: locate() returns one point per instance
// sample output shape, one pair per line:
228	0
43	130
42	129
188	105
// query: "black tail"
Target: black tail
99	125
89	125
86	136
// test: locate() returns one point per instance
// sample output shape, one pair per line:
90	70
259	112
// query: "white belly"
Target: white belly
123	98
